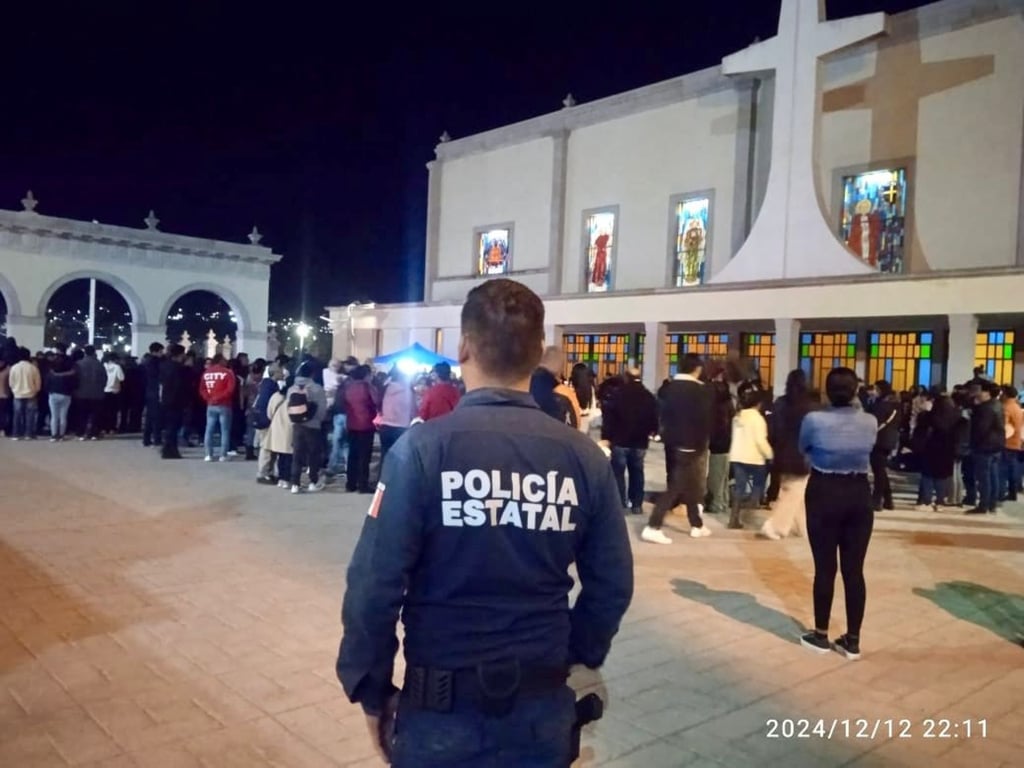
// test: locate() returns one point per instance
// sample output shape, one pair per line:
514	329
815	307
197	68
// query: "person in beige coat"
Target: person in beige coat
279	437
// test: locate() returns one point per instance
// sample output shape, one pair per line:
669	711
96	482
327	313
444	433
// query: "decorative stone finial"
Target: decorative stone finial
568	102
151	221
445	138
255	236
29	202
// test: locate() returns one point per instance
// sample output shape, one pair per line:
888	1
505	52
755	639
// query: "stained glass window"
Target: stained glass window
600	232
821	352
760	348
494	251
704	344
874	217
606	354
691	240
902	359
994	350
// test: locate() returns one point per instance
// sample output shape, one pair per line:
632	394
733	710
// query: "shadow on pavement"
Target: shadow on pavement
741	606
958	540
1001	613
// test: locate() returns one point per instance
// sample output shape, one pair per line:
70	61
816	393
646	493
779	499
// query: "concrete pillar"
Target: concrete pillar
963	334
253	343
556	229
144	335
654	355
553	335
434	169
787	351
28	330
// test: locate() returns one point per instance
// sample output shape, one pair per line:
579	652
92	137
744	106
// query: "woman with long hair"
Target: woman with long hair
788	414
582	382
837	442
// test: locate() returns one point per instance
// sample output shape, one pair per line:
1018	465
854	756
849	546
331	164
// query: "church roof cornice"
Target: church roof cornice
52	227
926	21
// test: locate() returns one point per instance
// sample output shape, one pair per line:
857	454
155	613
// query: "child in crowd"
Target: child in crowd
749	453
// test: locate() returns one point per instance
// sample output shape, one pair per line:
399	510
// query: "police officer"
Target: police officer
470	535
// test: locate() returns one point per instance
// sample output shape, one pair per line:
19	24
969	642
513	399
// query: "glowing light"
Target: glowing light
408	366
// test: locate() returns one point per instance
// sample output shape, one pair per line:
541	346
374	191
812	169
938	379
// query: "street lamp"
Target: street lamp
351	326
302	331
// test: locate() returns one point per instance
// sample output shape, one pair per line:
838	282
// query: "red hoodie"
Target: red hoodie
439	400
217	385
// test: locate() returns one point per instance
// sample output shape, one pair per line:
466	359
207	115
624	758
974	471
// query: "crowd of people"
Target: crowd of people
304	423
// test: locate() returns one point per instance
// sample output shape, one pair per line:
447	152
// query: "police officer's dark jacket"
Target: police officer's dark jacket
470	535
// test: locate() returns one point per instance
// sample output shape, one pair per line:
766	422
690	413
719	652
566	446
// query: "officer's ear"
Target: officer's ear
464	347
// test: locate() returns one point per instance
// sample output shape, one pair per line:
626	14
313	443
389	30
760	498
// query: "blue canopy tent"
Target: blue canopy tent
416	356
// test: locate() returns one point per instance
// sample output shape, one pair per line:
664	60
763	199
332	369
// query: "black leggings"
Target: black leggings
839	519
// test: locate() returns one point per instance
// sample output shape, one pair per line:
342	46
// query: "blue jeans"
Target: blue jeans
534	735
750	481
59	407
933	490
24	417
1009	475
339	446
985	470
215	414
633	460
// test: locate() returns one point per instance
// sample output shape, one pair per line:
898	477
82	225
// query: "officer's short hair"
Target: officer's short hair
504	322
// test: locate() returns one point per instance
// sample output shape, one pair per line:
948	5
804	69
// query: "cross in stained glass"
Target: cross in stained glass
892	192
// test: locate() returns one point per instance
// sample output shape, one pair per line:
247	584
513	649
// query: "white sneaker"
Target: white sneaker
232	453
316	487
225	458
654	536
700	533
208	458
769	532
283	484
924	508
296	489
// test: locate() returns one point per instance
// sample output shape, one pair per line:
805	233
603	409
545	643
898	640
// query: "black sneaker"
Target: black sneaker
637	510
976	511
815	642
848	647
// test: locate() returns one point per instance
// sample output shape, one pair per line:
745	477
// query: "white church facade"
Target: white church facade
847	192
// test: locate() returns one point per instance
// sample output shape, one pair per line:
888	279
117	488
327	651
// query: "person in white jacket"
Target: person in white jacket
749	453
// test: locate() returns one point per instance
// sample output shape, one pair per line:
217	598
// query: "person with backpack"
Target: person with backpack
261	419
307	406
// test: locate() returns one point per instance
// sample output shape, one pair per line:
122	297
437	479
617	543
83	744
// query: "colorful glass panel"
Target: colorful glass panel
994	351
691	240
605	354
821	352
873	224
760	349
902	359
493	252
600	233
704	344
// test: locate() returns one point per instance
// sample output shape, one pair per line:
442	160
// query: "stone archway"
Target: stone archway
149	268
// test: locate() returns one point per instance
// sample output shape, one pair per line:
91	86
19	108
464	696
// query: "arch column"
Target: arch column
253	343
28	330
143	335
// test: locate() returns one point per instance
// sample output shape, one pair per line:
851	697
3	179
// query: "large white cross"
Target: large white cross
792	236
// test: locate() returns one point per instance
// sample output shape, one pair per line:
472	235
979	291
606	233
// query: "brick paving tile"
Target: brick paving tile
193	623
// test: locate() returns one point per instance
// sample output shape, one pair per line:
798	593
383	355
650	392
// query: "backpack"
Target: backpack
300	410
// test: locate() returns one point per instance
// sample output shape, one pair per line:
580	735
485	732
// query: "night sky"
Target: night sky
312	122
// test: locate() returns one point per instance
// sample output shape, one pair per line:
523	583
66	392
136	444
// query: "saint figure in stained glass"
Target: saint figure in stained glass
493	252
874	217
691	241
600	230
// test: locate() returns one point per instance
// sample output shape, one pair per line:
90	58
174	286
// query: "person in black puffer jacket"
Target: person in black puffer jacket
630	417
886	411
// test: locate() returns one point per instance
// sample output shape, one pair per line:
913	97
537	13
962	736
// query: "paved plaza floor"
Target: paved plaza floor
177	614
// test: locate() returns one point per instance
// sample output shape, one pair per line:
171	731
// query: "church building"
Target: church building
848	192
